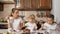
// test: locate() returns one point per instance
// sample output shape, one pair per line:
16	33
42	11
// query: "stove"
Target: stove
3	26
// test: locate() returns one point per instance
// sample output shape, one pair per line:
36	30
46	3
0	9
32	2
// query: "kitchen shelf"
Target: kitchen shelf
28	9
7	2
3	30
3	23
33	5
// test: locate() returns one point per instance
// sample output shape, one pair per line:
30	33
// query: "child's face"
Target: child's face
32	16
31	20
50	20
15	14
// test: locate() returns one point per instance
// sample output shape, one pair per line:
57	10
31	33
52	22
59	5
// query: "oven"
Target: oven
3	26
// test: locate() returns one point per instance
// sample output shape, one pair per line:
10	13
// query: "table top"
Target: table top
34	32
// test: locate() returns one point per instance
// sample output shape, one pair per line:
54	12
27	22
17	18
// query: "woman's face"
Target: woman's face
15	14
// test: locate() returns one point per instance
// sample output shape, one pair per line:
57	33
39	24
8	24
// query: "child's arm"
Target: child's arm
46	32
58	28
35	28
20	26
41	27
9	23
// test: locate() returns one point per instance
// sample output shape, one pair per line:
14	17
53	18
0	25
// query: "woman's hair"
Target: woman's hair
13	10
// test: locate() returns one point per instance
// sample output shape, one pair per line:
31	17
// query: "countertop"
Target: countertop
52	32
3	30
3	23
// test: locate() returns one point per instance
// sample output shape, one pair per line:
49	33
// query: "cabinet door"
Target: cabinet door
25	4
36	4
41	4
22	4
33	4
45	4
1	7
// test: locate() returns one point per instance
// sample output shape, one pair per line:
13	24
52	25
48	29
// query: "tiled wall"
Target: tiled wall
27	13
7	9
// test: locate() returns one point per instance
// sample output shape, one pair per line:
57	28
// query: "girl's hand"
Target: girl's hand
35	29
26	30
58	29
46	33
7	17
41	27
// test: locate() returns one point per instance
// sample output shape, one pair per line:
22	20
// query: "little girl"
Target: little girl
14	22
31	25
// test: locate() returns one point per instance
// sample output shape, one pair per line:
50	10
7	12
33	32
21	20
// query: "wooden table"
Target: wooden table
35	32
2	31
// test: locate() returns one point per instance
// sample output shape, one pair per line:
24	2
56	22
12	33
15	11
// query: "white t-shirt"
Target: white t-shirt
31	26
15	23
49	27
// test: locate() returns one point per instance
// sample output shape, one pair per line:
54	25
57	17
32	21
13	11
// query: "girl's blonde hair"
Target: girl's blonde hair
32	16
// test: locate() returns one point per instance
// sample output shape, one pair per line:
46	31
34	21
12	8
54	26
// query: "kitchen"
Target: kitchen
26	8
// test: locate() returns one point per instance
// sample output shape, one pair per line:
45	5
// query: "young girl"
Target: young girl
14	21
31	25
50	24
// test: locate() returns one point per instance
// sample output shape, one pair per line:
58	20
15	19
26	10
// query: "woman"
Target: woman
14	21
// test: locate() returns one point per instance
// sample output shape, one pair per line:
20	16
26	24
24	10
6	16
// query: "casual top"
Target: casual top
31	26
15	22
50	27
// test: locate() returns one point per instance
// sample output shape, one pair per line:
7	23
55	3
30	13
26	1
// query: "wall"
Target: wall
56	10
27	13
7	9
